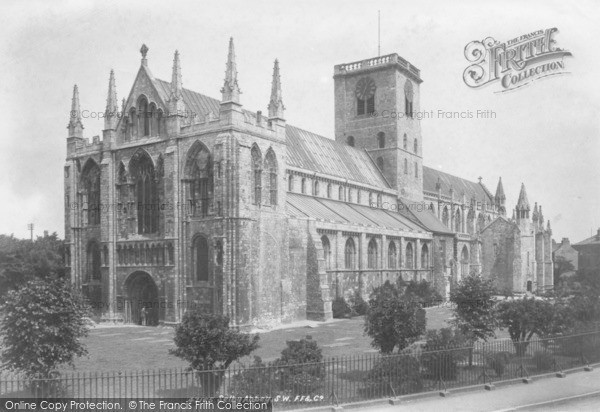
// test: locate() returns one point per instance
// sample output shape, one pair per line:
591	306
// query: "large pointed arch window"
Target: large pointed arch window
409	260
350	254
445	216
200	180
200	259
271	168
144	116
392	255
146	192
256	176
425	257
372	254
90	179
326	251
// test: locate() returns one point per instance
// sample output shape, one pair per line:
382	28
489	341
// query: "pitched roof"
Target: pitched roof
423	216
594	240
328	210
311	151
460	185
305	150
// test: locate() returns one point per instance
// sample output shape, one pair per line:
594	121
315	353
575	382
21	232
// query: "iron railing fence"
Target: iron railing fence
333	381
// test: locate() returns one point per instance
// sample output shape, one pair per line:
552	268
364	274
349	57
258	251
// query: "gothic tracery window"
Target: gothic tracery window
256	176
350	254
271	168
372	254
146	192
200	180
392	255
90	179
409	256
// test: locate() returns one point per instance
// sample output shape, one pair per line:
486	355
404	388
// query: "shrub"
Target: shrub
307	378
257	380
424	293
400	372
210	346
393	320
444	349
498	361
359	305
340	308
543	361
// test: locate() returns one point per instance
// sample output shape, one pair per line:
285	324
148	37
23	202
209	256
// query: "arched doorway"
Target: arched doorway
141	293
529	286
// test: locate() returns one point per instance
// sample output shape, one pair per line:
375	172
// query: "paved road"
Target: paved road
517	397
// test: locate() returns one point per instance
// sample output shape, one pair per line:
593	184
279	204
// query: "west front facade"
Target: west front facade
191	201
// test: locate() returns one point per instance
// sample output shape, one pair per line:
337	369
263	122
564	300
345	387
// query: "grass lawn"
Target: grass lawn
139	348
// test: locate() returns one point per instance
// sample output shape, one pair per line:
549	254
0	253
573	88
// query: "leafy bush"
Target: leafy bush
307	378
210	346
340	308
443	350
393	319
400	372
359	305
42	326
257	380
543	361
424	293
498	361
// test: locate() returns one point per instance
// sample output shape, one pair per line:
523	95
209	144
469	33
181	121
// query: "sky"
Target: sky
545	135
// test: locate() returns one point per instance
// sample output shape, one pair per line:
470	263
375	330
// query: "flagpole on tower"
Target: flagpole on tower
378	33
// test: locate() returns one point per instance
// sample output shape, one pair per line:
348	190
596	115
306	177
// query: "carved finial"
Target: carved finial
480	179
144	51
112	106
75	126
231	91
276	106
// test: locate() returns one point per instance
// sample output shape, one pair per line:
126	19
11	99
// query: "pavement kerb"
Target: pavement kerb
432	394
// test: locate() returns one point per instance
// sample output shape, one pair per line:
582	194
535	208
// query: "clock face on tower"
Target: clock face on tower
365	88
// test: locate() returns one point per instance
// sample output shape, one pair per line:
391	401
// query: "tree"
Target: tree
23	260
208	344
393	319
44	321
474	304
561	266
527	317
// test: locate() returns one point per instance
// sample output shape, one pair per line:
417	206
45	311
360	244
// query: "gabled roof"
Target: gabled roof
500	219
470	189
305	150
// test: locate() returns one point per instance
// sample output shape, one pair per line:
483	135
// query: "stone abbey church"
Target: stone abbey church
192	201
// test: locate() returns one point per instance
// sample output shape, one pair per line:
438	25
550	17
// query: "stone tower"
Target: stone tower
376	102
